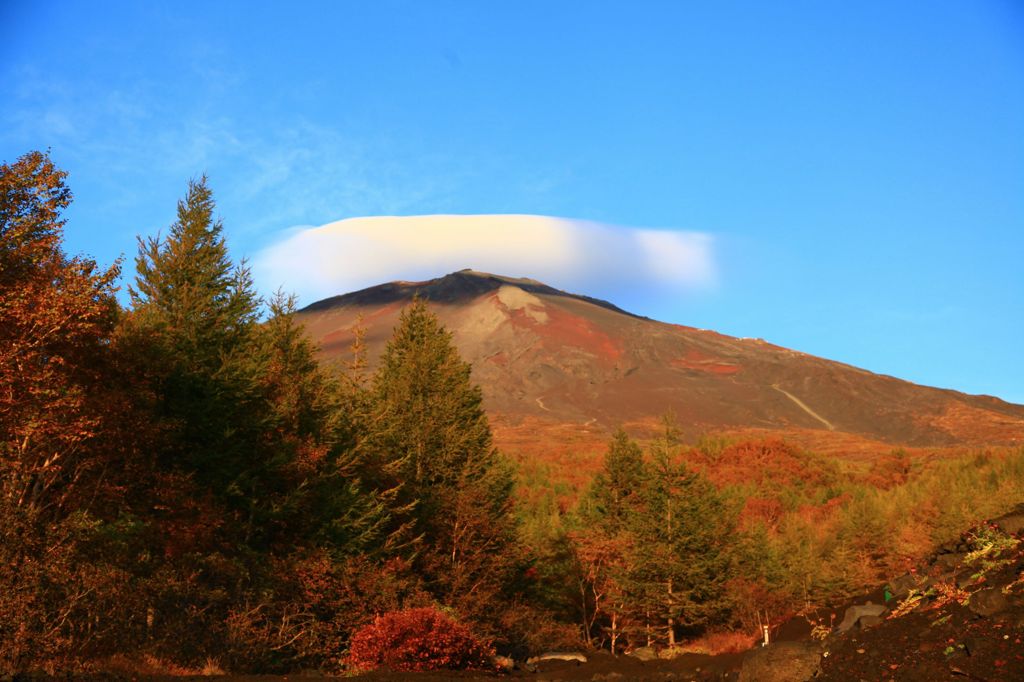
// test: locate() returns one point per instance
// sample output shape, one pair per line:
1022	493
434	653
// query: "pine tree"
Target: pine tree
682	533
187	286
614	489
305	433
431	440
602	545
194	316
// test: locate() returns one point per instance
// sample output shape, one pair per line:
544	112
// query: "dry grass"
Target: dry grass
149	665
715	643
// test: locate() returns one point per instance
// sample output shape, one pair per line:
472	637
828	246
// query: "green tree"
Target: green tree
194	319
187	286
602	544
614	489
256	459
682	533
430	440
306	429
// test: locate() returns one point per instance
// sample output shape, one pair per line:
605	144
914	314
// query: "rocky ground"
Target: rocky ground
964	618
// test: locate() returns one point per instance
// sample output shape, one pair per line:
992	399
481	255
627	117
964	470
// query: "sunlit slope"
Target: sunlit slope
542	353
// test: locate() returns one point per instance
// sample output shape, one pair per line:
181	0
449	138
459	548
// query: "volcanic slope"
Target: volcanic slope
544	354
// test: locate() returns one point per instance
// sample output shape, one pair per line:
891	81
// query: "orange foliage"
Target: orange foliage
769	463
760	509
57	316
716	643
417	640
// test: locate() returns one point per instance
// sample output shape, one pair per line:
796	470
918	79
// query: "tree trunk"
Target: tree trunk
671	620
615	630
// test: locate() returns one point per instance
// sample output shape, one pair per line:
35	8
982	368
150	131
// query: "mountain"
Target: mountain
545	356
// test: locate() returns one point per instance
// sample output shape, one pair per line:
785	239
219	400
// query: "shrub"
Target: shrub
416	640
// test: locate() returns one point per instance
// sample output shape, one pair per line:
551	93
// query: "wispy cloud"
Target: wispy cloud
578	255
297	172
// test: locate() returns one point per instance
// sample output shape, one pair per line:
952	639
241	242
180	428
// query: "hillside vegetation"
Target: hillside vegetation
184	488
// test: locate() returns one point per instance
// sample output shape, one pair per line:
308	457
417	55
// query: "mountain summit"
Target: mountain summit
542	353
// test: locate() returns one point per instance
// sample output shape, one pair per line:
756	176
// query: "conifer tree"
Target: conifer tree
602	546
431	439
319	495
681	533
615	487
187	286
195	313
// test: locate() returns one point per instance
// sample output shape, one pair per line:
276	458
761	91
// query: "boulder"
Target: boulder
901	587
782	662
988	602
644	653
855	613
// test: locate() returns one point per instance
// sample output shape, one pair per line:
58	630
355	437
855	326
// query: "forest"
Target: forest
185	489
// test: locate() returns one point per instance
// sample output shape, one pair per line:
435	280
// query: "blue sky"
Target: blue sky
857	167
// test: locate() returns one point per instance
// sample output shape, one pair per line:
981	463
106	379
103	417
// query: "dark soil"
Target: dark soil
599	666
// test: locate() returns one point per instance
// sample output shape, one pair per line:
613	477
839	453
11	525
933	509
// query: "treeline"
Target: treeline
183	487
707	543
181	481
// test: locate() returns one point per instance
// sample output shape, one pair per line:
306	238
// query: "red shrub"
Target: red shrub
415	640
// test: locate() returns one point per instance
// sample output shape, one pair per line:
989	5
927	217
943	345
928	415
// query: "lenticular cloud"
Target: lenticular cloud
576	255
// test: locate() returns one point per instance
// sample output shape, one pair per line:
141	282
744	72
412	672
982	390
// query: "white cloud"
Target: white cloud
582	256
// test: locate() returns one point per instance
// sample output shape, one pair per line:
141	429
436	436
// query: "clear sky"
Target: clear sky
853	170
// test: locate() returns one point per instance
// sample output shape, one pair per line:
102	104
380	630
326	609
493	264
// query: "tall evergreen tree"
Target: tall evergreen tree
614	489
305	432
187	286
681	533
602	545
431	439
195	313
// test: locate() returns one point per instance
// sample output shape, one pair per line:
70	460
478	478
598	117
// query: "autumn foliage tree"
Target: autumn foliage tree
62	424
57	314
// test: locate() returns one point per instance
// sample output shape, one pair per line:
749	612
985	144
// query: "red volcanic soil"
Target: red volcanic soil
575	361
694	359
563	329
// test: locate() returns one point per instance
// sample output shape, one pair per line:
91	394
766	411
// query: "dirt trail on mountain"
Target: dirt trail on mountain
802	406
